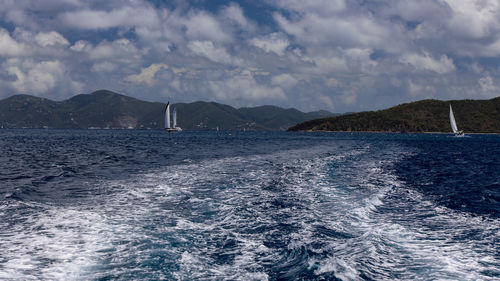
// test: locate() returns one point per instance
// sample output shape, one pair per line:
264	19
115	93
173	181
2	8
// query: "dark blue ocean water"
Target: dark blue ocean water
148	205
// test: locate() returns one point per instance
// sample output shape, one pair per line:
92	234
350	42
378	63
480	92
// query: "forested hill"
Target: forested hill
106	109
472	116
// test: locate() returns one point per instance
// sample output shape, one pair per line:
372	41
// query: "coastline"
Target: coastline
391	132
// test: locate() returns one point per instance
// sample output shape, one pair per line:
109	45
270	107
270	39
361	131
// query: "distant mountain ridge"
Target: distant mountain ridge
107	109
472	116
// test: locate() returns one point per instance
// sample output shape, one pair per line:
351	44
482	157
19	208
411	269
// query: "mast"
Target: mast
174	117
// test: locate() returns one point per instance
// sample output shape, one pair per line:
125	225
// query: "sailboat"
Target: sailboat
453	123
168	127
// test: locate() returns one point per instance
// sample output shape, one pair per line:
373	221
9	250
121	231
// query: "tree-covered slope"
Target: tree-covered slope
29	111
473	116
106	109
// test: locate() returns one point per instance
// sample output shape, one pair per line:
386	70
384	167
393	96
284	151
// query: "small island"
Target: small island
472	116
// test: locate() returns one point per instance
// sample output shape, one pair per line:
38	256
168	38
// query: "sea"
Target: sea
232	205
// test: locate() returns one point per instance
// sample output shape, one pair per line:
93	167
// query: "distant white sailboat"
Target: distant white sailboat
168	126
453	123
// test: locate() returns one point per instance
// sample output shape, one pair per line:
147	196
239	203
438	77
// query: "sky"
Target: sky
336	55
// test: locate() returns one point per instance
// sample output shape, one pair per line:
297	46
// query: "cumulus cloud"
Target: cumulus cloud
474	19
323	7
468	28
243	86
360	55
53	38
275	42
99	19
327	64
255	52
81	45
104	67
121	49
332	82
35	78
327	101
421	88
234	13
488	87
216	54
147	74
348	31
9	46
285	81
349	96
426	62
204	26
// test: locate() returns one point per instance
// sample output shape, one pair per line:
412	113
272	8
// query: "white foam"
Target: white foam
343	270
55	243
193	208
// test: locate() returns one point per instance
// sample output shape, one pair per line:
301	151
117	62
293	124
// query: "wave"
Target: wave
331	211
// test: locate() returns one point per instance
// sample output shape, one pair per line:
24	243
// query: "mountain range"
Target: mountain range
472	116
106	109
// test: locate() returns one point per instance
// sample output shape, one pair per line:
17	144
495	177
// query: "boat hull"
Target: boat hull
176	129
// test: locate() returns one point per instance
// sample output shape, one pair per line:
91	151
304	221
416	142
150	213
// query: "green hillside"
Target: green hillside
472	116
21	110
106	109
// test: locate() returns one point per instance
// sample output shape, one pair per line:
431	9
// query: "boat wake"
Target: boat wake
325	212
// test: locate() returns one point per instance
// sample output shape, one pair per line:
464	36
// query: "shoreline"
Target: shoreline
391	132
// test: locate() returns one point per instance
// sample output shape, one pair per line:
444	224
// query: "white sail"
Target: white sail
174	117
167	116
452	121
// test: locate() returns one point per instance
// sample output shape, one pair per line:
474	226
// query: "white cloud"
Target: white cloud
476	68
360	56
128	16
179	70
176	84
327	45
216	54
81	45
244	87
328	64
19	17
421	89
324	7
416	11
349	97
53	38
468	28
489	50
414	88
104	67
147	74
285	81
39	78
487	86
8	46
474	18
275	42
426	62
332	82
204	26
347	31
235	14
118	49
327	102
